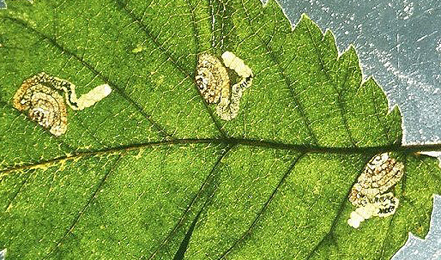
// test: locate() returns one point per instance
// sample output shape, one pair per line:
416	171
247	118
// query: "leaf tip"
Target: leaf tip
308	26
304	18
395	109
370	81
351	49
329	34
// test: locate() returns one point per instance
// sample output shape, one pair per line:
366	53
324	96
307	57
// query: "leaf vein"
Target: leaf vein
287	81
82	211
386	129
231	141
192	202
16	193
264	208
340	104
63	50
330	232
170	58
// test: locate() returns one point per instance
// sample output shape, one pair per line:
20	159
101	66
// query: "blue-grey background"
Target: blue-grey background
399	43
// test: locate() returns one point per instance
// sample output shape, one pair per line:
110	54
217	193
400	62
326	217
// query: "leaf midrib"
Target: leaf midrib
160	129
302	148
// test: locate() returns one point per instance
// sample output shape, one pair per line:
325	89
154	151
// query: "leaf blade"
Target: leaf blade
307	101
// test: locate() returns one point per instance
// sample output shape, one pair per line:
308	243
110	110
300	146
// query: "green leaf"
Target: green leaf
151	172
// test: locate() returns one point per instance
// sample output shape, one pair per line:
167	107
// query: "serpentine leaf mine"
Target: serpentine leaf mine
46	106
214	83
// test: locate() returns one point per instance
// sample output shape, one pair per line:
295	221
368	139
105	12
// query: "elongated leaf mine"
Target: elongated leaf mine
85	101
214	83
90	98
237	64
380	174
46	106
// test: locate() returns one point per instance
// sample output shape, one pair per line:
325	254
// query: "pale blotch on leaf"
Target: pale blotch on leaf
214	83
139	48
381	173
39	95
3	254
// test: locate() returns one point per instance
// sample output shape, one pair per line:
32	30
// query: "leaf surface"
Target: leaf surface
151	171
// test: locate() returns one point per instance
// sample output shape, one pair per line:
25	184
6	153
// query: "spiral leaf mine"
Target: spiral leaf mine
39	95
